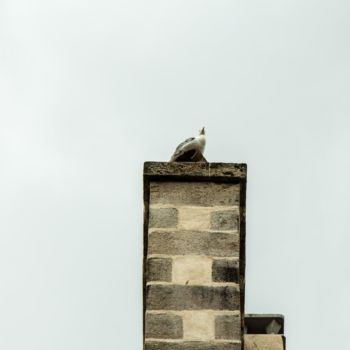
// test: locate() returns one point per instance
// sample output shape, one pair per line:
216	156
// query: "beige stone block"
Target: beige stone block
198	325
263	342
194	218
192	270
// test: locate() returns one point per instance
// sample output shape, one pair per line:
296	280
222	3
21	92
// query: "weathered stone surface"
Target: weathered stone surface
198	325
192	270
163	217
210	170
159	269
194	218
163	326
193	242
179	297
192	346
194	193
263	342
228	327
225	271
189	239
224	220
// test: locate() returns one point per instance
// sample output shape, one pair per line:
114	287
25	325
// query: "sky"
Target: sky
91	89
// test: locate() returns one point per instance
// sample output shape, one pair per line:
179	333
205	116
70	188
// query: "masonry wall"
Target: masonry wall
193	251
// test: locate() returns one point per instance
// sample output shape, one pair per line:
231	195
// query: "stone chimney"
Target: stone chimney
194	256
194	261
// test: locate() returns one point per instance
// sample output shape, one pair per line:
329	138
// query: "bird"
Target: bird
190	150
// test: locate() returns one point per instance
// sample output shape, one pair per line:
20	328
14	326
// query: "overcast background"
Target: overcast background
91	89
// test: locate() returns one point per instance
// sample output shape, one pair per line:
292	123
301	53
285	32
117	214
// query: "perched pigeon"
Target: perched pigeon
191	150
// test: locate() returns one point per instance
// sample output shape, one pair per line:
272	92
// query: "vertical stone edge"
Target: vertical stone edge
242	245
146	199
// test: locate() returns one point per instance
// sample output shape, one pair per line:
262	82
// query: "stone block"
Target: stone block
195	170
194	218
179	297
159	269
163	326
192	270
195	345
198	325
194	193
218	244
163	217
224	220
263	342
228	327
225	271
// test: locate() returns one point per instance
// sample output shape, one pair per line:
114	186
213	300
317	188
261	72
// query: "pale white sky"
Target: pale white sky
92	89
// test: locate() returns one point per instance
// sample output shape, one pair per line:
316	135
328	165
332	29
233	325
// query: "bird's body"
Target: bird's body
190	150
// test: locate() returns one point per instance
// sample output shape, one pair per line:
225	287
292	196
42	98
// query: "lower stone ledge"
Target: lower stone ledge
264	342
191	345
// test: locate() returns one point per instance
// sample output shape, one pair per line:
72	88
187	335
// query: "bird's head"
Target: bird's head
202	131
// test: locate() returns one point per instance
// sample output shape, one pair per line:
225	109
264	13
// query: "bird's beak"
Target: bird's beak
202	131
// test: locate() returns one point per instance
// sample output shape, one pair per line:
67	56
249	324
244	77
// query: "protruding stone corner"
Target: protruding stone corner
195	170
264	332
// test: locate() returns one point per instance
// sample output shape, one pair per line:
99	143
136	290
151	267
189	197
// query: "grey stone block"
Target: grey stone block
225	271
228	327
163	217
196	170
224	220
194	242
159	269
194	193
163	326
192	345
182	297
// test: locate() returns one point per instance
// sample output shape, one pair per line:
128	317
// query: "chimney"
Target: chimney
194	256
